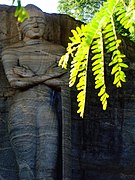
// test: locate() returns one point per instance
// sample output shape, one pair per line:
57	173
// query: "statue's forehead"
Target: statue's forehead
35	13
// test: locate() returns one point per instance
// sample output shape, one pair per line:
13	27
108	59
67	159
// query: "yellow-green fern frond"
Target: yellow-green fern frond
72	47
96	35
82	81
112	45
98	68
126	16
20	12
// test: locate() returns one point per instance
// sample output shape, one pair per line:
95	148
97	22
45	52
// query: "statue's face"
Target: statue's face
33	28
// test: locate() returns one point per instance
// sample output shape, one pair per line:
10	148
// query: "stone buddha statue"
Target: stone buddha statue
32	70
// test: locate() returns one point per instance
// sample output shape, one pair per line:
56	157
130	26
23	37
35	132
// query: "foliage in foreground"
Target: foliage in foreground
82	10
96	36
20	12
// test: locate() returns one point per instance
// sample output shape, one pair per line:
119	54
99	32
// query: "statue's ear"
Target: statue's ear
19	31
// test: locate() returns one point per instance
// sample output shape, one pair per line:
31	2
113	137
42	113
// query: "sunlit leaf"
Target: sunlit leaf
97	67
105	105
13	1
123	65
116	80
99	85
99	75
97	56
122	76
118	84
102	91
115	68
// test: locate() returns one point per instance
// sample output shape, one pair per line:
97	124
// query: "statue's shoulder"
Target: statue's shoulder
13	49
55	48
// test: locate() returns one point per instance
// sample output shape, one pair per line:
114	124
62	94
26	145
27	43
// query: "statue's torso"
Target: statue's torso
39	57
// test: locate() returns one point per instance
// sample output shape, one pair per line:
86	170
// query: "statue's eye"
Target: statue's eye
39	19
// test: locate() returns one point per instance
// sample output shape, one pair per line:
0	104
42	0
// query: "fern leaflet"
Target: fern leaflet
98	68
112	45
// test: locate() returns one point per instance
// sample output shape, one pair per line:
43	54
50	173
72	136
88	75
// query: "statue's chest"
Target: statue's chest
38	61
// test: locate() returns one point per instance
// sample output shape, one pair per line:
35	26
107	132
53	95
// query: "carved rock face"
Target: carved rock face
29	67
57	29
33	27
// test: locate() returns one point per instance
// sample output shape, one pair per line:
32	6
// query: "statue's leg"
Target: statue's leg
22	129
48	140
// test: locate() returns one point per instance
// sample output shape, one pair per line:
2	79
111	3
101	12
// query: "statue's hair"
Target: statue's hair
33	8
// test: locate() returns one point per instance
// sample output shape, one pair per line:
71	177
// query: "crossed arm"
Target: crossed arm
22	76
53	77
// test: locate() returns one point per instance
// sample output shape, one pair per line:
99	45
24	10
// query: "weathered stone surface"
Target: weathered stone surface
15	57
103	144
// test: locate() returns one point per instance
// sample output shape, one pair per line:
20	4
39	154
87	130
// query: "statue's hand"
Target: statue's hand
56	82
55	72
23	71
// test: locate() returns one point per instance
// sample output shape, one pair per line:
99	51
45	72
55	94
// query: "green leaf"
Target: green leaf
99	76
96	51
122	76
121	16
97	56
13	1
78	29
110	39
103	97
18	11
99	80
118	84
97	72
96	62
113	62
105	105
116	80
82	74
120	11
123	65
99	85
108	27
75	34
111	49
102	91
110	44
108	35
115	69
94	46
117	74
81	82
97	66
63	61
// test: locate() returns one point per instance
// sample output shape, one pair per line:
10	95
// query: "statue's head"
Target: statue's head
34	26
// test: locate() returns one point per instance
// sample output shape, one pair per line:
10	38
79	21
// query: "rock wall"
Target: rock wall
103	143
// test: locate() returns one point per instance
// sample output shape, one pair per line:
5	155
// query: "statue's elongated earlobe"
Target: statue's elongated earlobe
20	31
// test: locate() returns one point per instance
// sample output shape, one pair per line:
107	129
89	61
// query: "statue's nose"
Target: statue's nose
35	24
